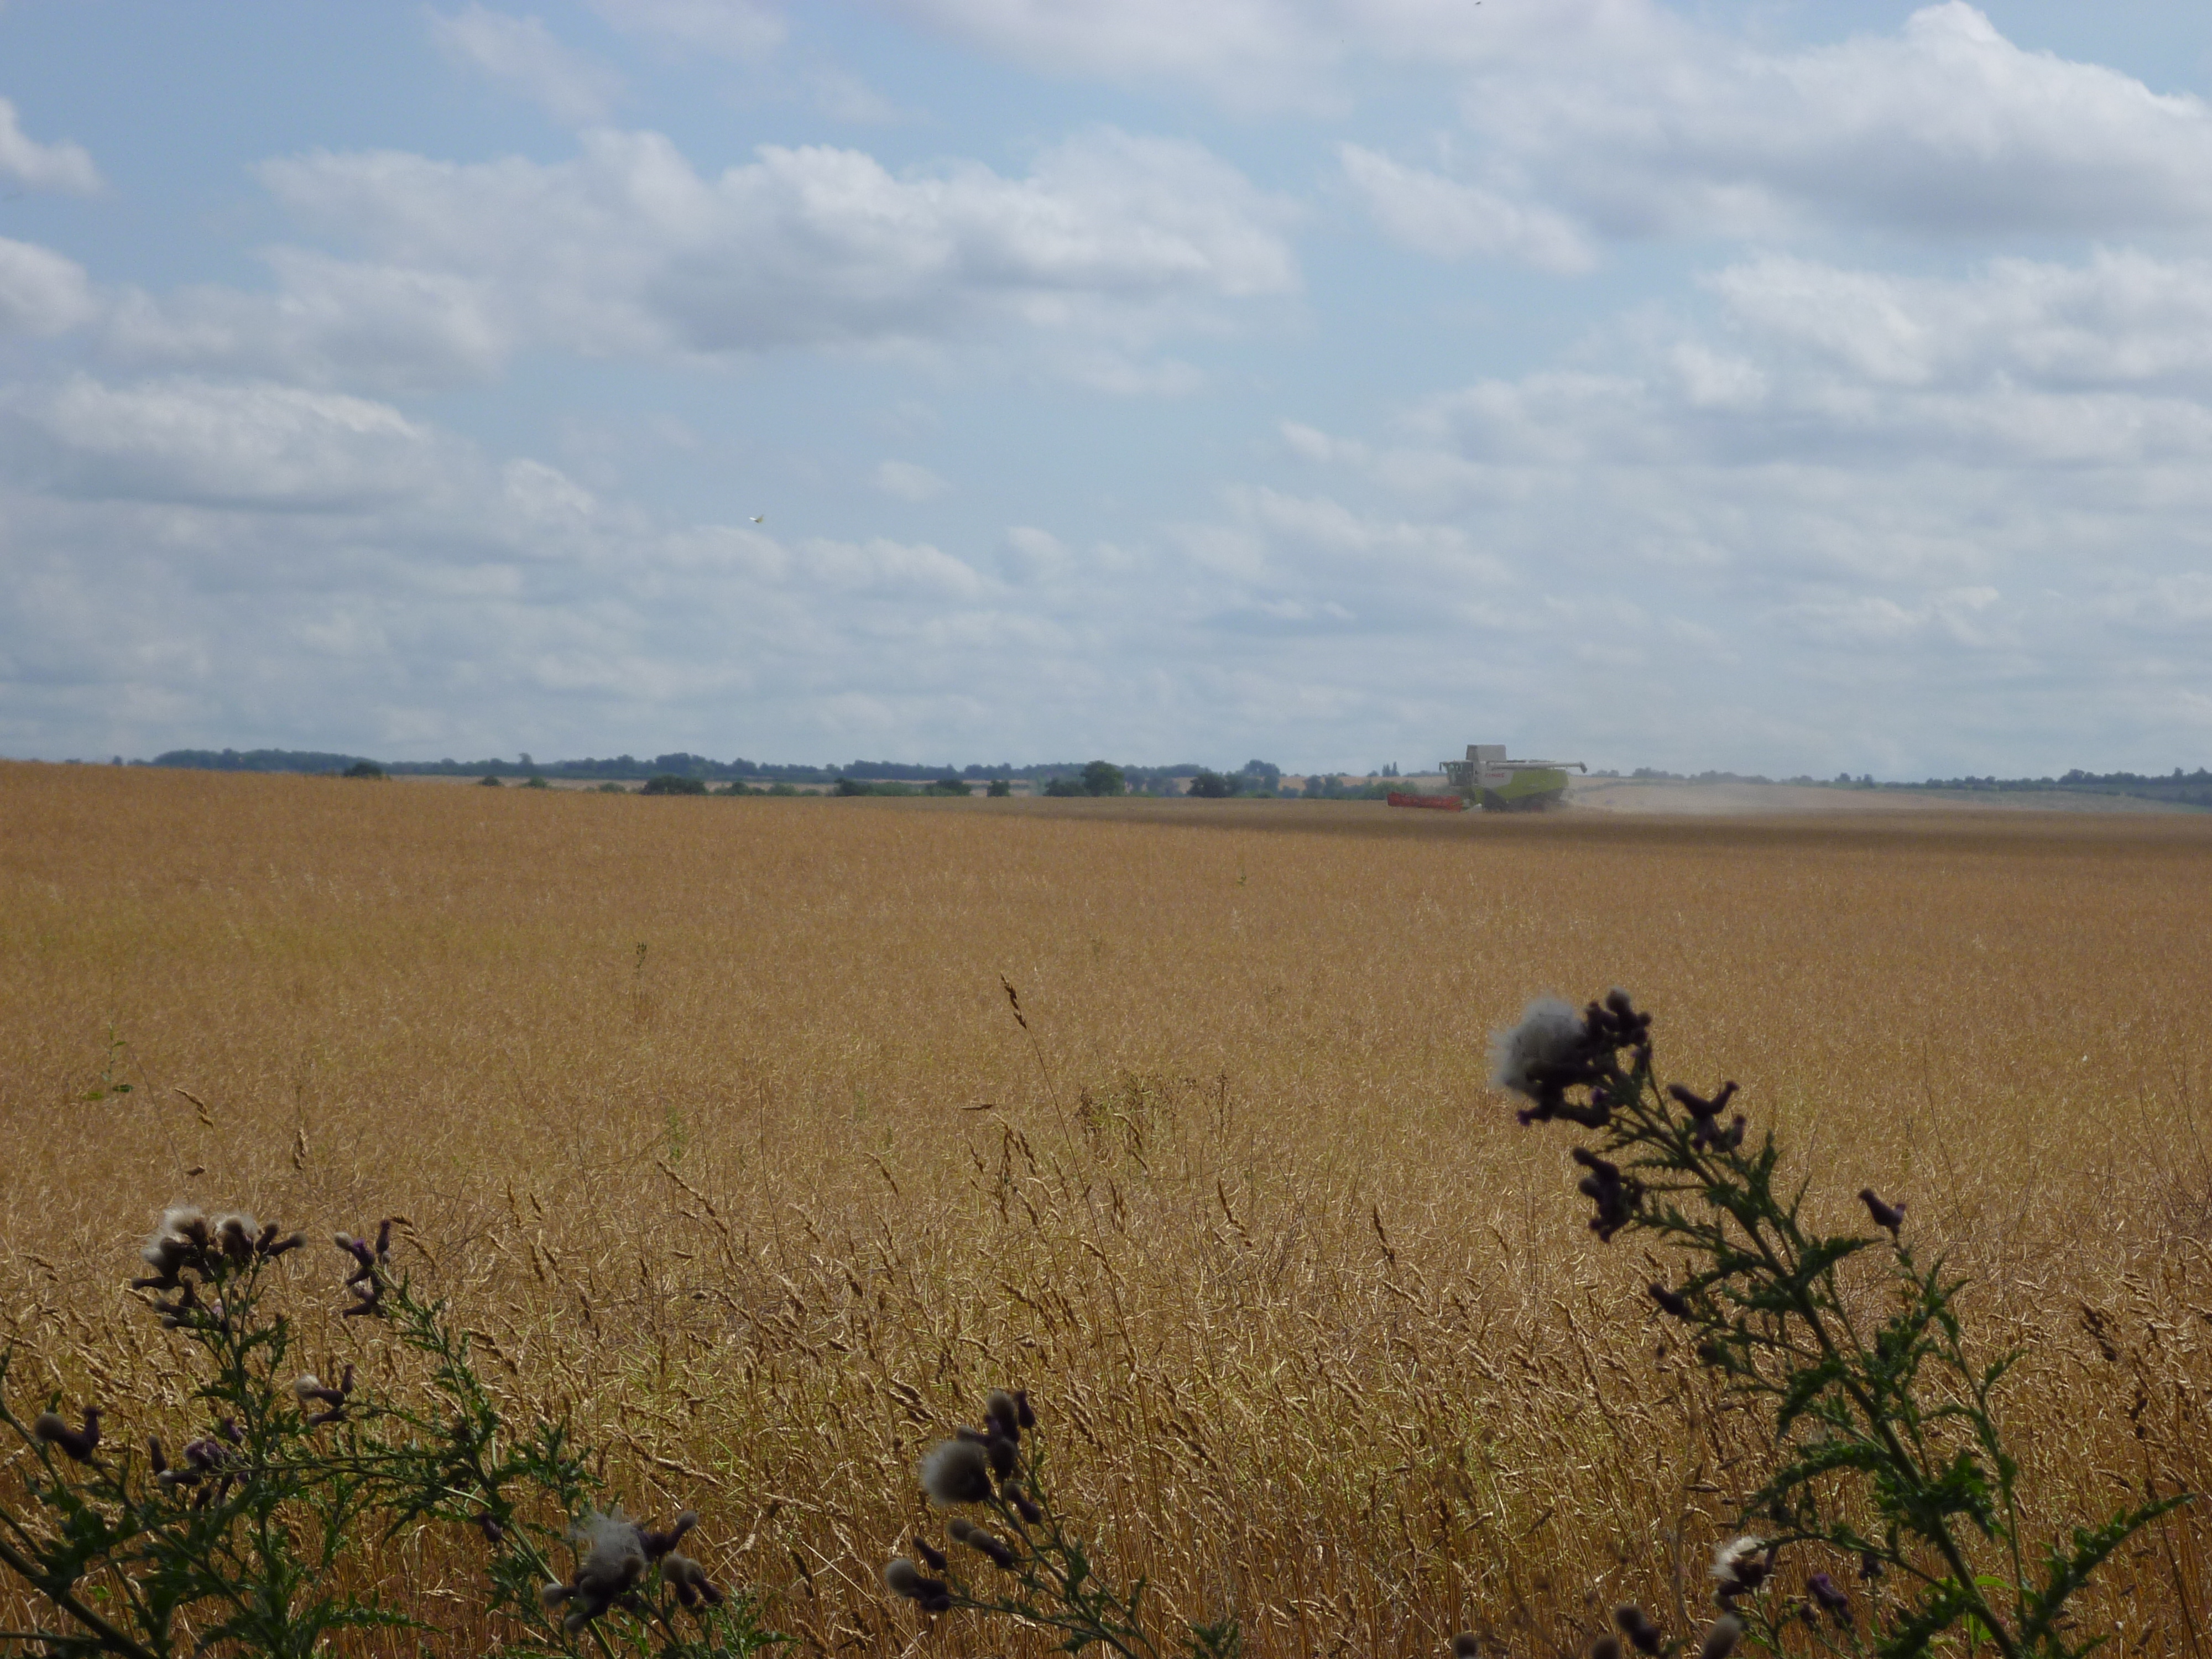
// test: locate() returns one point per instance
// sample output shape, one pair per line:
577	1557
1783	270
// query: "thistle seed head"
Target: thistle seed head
238	1232
1673	1301
613	1550
691	1582
902	1578
955	1472
1550	1033
1647	1637
77	1444
1002	1415
1830	1598
1605	1647
1466	1645
658	1544
1720	1641
1740	1566
553	1595
1891	1216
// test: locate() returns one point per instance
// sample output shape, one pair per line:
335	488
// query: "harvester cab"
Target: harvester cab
1486	779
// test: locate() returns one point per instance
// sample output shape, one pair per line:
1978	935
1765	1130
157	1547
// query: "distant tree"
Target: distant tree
1214	785
612	789
489	781
670	783
1104	778
1264	774
1063	785
949	784
999	789
364	770
536	783
853	787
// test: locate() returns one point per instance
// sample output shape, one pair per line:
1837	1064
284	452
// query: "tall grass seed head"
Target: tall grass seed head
1550	1033
955	1472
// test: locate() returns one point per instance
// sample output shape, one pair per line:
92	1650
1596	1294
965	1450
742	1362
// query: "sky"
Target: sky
1767	387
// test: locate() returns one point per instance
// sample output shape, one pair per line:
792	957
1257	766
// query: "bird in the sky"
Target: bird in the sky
760	518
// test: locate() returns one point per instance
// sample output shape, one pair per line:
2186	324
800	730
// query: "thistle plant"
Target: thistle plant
260	1535
1023	1562
1888	1469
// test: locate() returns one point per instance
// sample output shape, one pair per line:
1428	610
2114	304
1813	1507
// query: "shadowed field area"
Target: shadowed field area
714	1115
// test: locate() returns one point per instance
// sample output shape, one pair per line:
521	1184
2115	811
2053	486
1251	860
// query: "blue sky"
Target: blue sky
1774	387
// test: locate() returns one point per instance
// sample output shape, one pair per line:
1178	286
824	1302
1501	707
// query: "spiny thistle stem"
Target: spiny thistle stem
1769	1316
999	1471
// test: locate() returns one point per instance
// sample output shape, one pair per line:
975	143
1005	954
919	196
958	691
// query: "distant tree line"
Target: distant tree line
1255	777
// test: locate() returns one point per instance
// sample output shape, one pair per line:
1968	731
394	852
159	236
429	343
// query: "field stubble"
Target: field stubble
715	1117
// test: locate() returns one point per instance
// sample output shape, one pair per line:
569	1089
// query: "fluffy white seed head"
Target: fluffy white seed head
613	1552
902	1578
955	1472
1549	1032
1740	1563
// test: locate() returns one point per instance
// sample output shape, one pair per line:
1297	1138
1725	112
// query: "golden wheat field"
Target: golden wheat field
715	1118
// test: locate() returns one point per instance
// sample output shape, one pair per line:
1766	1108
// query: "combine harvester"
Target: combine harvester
1488	780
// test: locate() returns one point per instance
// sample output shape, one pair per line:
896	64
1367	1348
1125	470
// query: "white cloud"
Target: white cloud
1034	554
63	167
329	320
909	480
1449	219
882	564
627	250
524	54
41	294
211	444
2120	317
740	29
1944	129
1618	118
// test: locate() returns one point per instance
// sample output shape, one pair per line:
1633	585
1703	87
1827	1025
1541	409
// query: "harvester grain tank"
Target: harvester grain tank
1486	779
